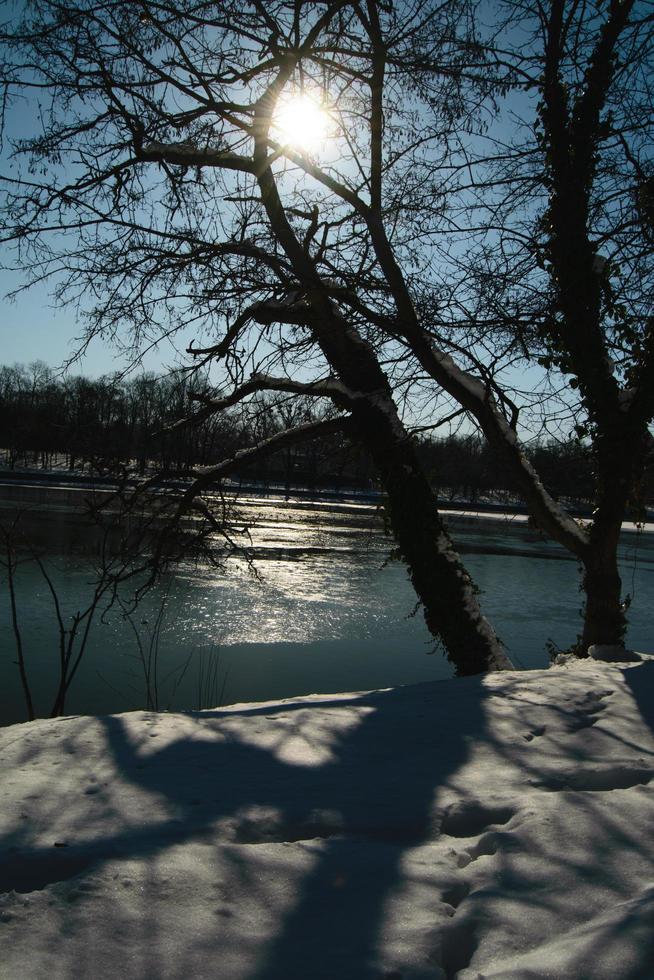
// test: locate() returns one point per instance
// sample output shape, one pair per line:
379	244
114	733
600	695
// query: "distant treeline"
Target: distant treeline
104	425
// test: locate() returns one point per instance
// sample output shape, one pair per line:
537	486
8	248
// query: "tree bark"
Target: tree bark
604	615
445	589
443	586
620	450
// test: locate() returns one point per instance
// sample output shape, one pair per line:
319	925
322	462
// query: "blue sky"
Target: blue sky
32	328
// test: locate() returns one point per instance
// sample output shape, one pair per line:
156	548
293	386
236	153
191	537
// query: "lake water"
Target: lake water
329	613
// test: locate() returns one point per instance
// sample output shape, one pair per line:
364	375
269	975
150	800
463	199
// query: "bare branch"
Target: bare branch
208	475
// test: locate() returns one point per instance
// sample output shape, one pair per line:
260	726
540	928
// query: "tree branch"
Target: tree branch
207	475
187	155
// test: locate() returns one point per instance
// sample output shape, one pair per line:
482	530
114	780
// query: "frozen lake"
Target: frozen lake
328	613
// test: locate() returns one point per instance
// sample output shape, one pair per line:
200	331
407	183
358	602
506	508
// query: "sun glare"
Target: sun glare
301	123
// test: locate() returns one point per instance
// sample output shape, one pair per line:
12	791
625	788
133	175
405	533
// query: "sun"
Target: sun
301	123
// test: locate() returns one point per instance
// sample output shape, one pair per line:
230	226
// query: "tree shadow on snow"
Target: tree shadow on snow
371	801
367	805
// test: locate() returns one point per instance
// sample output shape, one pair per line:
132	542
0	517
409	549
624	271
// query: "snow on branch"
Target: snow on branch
327	388
187	155
206	475
292	308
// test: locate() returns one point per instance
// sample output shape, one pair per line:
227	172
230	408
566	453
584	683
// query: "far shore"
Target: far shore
37	488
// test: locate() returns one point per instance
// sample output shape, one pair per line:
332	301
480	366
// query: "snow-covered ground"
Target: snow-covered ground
488	827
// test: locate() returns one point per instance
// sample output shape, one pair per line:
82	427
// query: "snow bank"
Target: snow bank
497	827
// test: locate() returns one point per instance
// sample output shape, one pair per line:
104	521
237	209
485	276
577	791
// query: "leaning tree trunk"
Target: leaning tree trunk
444	587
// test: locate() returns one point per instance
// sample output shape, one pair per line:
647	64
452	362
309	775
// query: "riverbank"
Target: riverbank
67	492
485	827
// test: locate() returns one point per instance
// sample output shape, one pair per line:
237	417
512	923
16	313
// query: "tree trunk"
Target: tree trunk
442	584
604	615
604	612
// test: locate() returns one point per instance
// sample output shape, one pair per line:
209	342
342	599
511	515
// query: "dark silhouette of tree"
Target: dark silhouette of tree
565	257
418	253
176	203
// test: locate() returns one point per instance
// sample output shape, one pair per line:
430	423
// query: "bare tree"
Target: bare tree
163	185
564	257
